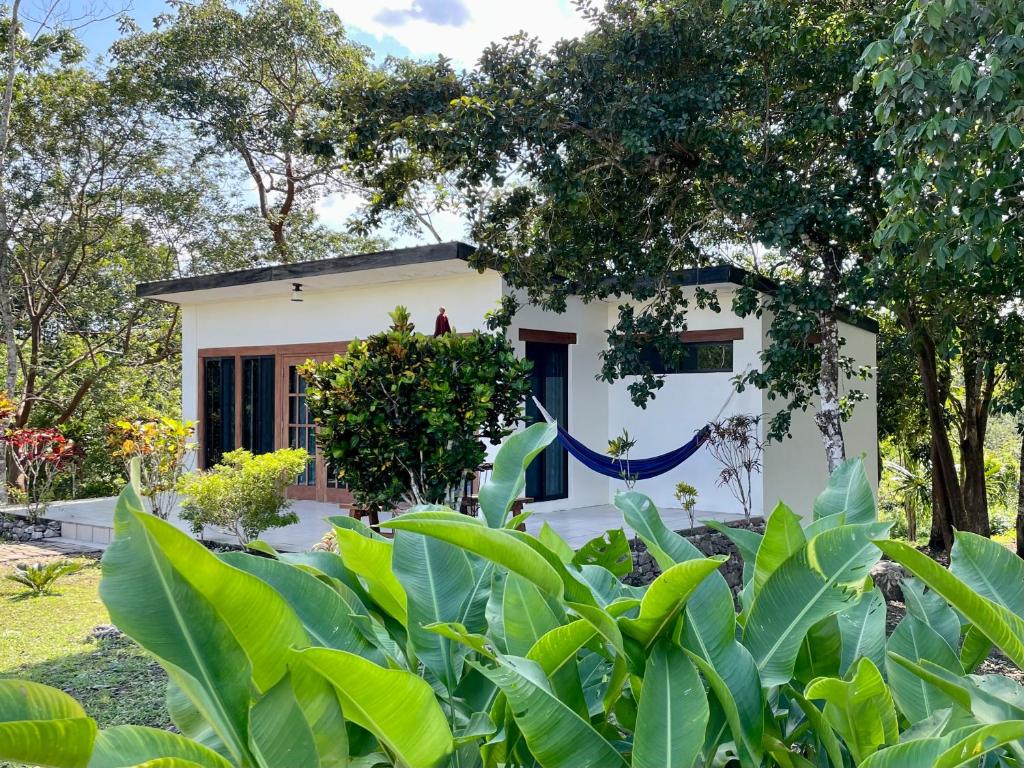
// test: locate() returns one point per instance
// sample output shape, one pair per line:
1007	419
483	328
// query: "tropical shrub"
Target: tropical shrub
737	445
40	577
686	495
243	493
403	416
39	455
619	448
162	446
464	642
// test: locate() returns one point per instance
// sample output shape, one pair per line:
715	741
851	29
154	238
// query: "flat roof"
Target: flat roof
397	257
170	290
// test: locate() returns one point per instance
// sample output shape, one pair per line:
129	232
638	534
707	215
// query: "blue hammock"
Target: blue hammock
641	469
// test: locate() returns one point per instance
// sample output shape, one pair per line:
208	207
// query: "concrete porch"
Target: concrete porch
91	521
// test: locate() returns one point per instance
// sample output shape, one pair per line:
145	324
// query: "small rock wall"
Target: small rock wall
20	529
708	541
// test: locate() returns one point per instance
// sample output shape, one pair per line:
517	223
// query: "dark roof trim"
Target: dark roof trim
738	276
420	254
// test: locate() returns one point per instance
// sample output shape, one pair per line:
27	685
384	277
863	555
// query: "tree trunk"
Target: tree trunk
948	500
829	417
978	384
6	311
941	537
1020	502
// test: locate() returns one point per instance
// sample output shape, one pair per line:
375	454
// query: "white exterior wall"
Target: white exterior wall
795	470
685	403
338	314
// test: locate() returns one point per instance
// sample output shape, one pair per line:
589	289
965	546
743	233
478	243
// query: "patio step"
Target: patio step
98	536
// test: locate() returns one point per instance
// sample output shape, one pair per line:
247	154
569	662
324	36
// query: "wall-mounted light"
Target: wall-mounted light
296	291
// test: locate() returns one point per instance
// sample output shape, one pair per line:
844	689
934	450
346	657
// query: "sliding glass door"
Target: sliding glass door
547	477
254	398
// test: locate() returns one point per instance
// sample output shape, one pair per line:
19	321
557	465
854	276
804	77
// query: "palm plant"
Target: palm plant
40	577
464	642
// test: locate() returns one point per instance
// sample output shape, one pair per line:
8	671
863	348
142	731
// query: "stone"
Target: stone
708	541
35	535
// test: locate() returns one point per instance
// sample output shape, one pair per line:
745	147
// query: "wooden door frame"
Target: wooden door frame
284	355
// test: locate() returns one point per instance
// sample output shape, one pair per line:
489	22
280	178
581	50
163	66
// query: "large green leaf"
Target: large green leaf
859	709
749	749
710	627
154	604
556	735
127	745
848	493
822	729
527	614
1000	625
259	618
325	616
990	569
783	537
665	598
928	607
550	539
280	733
818	581
559	646
508	478
371	560
437	578
963	747
820	652
915	640
495	544
396	706
43	726
673	712
862	627
610	551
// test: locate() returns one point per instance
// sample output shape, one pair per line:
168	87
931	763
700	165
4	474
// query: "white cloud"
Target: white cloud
466	28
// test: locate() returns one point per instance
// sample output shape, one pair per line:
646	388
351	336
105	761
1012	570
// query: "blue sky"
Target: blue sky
458	29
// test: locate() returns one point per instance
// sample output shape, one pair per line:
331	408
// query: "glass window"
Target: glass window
547	477
258	403
696	357
218	408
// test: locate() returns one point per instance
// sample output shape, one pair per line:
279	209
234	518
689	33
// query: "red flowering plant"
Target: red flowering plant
39	454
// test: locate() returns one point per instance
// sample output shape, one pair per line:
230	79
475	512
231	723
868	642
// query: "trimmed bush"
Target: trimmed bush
243	494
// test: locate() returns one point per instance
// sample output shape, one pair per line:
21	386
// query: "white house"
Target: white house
243	335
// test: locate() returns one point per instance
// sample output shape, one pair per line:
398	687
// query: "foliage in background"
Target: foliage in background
40	577
242	494
686	495
162	446
39	456
463	642
669	135
251	83
948	85
736	444
403	416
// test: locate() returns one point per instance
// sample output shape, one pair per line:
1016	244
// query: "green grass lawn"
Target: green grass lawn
46	639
